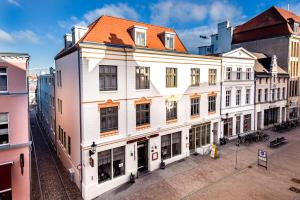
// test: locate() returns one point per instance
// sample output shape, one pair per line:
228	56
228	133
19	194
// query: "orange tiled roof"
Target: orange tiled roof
270	23
115	31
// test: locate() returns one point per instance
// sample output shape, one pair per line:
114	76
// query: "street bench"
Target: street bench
277	142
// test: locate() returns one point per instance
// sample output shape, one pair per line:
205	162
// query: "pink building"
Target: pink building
14	135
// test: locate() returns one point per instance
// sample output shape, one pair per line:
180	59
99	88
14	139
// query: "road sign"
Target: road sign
262	159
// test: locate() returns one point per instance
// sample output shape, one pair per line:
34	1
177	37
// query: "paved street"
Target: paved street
199	177
50	179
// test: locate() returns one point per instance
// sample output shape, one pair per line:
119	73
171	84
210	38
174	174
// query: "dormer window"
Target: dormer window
169	40
139	34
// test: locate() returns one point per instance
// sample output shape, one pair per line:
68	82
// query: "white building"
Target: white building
128	97
46	102
220	42
271	92
237	92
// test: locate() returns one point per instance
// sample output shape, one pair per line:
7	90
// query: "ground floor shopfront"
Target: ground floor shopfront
15	174
268	116
113	164
237	123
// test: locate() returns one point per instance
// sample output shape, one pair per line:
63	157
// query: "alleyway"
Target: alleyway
50	179
200	177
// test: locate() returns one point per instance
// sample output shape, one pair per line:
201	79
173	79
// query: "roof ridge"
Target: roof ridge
148	24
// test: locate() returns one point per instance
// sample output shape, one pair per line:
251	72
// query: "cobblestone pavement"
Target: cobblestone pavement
200	177
50	180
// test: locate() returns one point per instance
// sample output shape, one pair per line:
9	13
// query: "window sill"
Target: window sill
109	133
4	146
211	113
108	91
195	116
142	127
171	121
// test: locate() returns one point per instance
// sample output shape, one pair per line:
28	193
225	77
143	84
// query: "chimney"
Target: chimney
77	33
68	40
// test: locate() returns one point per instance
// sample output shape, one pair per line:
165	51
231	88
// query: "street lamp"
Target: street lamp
93	149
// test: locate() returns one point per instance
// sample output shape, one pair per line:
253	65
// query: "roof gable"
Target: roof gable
115	31
239	53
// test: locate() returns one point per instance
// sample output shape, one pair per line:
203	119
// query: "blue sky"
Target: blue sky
37	26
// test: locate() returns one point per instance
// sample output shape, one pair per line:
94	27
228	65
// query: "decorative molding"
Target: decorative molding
142	100
195	95
141	127
109	103
212	94
109	133
172	121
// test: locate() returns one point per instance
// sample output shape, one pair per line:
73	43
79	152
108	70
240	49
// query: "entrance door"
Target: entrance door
259	121
192	141
142	156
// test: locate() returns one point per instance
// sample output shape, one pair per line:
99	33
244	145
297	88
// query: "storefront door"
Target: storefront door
142	148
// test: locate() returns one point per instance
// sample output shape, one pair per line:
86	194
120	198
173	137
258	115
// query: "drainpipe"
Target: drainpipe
221	92
255	117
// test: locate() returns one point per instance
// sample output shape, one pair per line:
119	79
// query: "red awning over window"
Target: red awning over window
5	176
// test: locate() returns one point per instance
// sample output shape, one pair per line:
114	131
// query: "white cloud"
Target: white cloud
5	37
27	36
14	2
191	37
166	11
117	10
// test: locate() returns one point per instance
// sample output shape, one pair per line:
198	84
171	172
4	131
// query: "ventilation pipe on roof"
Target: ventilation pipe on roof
77	33
68	40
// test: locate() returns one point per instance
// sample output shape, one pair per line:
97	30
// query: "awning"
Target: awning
5	176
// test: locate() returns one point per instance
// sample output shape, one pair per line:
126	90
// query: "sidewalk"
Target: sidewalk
200	177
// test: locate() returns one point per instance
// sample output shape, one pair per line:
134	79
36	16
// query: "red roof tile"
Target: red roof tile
270	23
115	31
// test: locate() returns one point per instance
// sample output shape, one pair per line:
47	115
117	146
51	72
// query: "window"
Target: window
58	78
108	77
142	114
266	95
118	161
65	140
238	97
211	104
228	127
171	110
278	93
247	122
142	77
59	106
3	79
171	77
195	77
228	98
228	73
169	41
140	38
109	119
259	80
104	166
201	133
259	95
248	96
111	162
238	74
273	94
69	145
166	146
212	76
248	73
4	128
238	125
266	80
195	103
283	93
171	145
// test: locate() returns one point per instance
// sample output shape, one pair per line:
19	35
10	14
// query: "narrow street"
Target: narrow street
50	179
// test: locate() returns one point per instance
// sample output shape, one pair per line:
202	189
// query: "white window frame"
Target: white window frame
143	31
7	127
228	73
248	96
248	74
169	36
228	101
238	97
4	74
239	73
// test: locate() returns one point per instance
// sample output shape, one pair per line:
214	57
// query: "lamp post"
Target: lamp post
92	151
